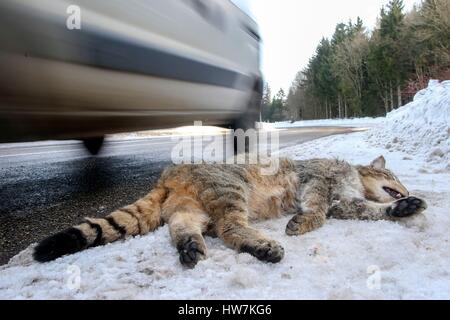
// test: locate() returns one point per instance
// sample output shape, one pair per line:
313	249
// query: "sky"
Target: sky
292	29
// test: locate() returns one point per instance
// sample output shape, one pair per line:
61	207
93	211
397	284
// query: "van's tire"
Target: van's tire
248	119
252	115
93	145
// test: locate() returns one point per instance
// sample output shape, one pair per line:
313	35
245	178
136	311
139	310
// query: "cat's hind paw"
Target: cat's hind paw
191	251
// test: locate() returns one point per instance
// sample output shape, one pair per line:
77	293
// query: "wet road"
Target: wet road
49	186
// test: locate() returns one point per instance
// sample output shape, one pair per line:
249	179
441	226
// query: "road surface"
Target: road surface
48	186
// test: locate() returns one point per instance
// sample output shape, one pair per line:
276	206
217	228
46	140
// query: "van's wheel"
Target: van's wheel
248	120
94	145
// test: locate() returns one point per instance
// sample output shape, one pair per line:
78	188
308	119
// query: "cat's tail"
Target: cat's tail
137	219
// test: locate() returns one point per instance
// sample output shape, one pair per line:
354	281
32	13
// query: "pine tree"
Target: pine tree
279	106
266	103
391	25
356	73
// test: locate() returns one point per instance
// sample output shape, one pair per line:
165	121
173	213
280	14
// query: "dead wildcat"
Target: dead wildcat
221	200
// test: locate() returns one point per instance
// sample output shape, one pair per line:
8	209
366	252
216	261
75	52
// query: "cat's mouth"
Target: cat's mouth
393	193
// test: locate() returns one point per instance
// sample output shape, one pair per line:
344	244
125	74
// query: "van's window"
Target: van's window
245	6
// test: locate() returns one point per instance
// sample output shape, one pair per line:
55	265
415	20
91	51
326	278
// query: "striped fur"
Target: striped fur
222	200
139	218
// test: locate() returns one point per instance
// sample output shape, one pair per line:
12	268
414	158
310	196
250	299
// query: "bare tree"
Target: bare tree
350	57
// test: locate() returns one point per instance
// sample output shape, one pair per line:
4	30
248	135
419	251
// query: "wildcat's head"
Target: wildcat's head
380	184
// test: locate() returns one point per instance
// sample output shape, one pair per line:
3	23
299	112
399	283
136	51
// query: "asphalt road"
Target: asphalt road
48	186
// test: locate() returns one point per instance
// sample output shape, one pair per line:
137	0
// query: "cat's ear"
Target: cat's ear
379	163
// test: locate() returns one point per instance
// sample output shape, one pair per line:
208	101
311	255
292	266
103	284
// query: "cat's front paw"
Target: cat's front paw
304	223
265	250
406	207
294	226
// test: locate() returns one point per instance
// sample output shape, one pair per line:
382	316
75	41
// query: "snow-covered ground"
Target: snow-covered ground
342	260
355	122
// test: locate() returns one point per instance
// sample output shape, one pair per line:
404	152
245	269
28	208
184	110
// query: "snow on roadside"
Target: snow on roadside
184	131
174	132
421	128
342	260
356	122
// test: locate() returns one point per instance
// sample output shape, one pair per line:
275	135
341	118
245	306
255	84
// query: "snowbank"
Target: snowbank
421	128
342	260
